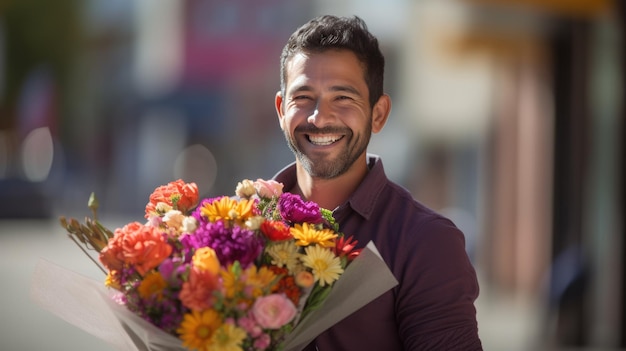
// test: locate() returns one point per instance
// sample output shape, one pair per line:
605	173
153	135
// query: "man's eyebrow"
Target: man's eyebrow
345	88
335	88
299	89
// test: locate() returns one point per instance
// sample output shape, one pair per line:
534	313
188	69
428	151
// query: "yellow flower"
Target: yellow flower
228	338
258	280
228	209
152	284
325	265
246	284
284	254
231	282
307	234
112	280
198	328
245	210
206	259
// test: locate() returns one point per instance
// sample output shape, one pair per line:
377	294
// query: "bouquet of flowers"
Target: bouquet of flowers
227	273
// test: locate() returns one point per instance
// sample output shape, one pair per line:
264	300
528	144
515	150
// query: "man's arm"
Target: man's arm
435	302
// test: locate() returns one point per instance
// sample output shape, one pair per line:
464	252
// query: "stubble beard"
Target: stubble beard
324	168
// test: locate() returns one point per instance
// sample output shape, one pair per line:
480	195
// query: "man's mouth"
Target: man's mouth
323	140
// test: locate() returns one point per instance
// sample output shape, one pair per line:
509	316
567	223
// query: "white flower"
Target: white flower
189	225
173	219
254	223
162	207
245	189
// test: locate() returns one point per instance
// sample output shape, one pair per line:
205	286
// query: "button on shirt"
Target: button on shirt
432	308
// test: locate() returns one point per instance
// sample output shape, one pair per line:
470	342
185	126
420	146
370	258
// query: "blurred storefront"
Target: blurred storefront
519	109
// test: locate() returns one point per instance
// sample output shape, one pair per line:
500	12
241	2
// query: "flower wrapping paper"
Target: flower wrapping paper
88	305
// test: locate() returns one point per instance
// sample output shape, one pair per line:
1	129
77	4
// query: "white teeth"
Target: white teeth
323	139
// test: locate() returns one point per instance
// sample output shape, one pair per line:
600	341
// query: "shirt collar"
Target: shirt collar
363	199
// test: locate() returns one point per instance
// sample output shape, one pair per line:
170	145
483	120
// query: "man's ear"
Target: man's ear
380	113
278	102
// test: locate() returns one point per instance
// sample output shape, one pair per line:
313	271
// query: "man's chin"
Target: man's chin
322	169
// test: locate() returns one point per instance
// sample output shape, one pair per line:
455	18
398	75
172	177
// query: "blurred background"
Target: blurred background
508	116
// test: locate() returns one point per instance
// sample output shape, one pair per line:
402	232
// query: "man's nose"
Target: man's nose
320	116
311	119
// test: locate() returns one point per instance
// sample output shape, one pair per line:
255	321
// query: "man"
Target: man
331	101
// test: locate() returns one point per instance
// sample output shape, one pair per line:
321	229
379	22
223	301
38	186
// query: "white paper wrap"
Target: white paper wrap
87	304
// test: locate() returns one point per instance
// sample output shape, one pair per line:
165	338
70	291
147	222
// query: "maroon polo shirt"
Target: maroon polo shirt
432	308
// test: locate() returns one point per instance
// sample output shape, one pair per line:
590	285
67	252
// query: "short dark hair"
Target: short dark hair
330	32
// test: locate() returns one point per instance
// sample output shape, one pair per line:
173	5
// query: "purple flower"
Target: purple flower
230	243
166	268
166	313
294	210
171	271
188	246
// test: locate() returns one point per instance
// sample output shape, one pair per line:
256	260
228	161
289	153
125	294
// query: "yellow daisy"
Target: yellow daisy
284	254
245	210
325	265
231	284
306	234
228	209
198	328
228	338
258	280
152	284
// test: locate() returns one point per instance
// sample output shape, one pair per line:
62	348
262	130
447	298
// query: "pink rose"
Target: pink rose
273	311
268	188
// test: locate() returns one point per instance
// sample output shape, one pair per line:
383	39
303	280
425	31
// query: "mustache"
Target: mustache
311	129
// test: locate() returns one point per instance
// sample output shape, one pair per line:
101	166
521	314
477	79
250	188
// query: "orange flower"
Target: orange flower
197	292
286	285
136	244
276	230
179	195
152	285
304	279
112	255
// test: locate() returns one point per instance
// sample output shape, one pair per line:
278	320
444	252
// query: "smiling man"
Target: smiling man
331	101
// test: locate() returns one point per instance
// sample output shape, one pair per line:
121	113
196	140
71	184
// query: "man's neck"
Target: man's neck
330	193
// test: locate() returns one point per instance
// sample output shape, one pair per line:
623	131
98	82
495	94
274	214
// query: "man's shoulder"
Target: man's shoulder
399	196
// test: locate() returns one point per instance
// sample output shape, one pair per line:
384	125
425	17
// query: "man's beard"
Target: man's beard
328	169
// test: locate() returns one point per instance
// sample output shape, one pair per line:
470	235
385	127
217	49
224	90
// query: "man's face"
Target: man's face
325	113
